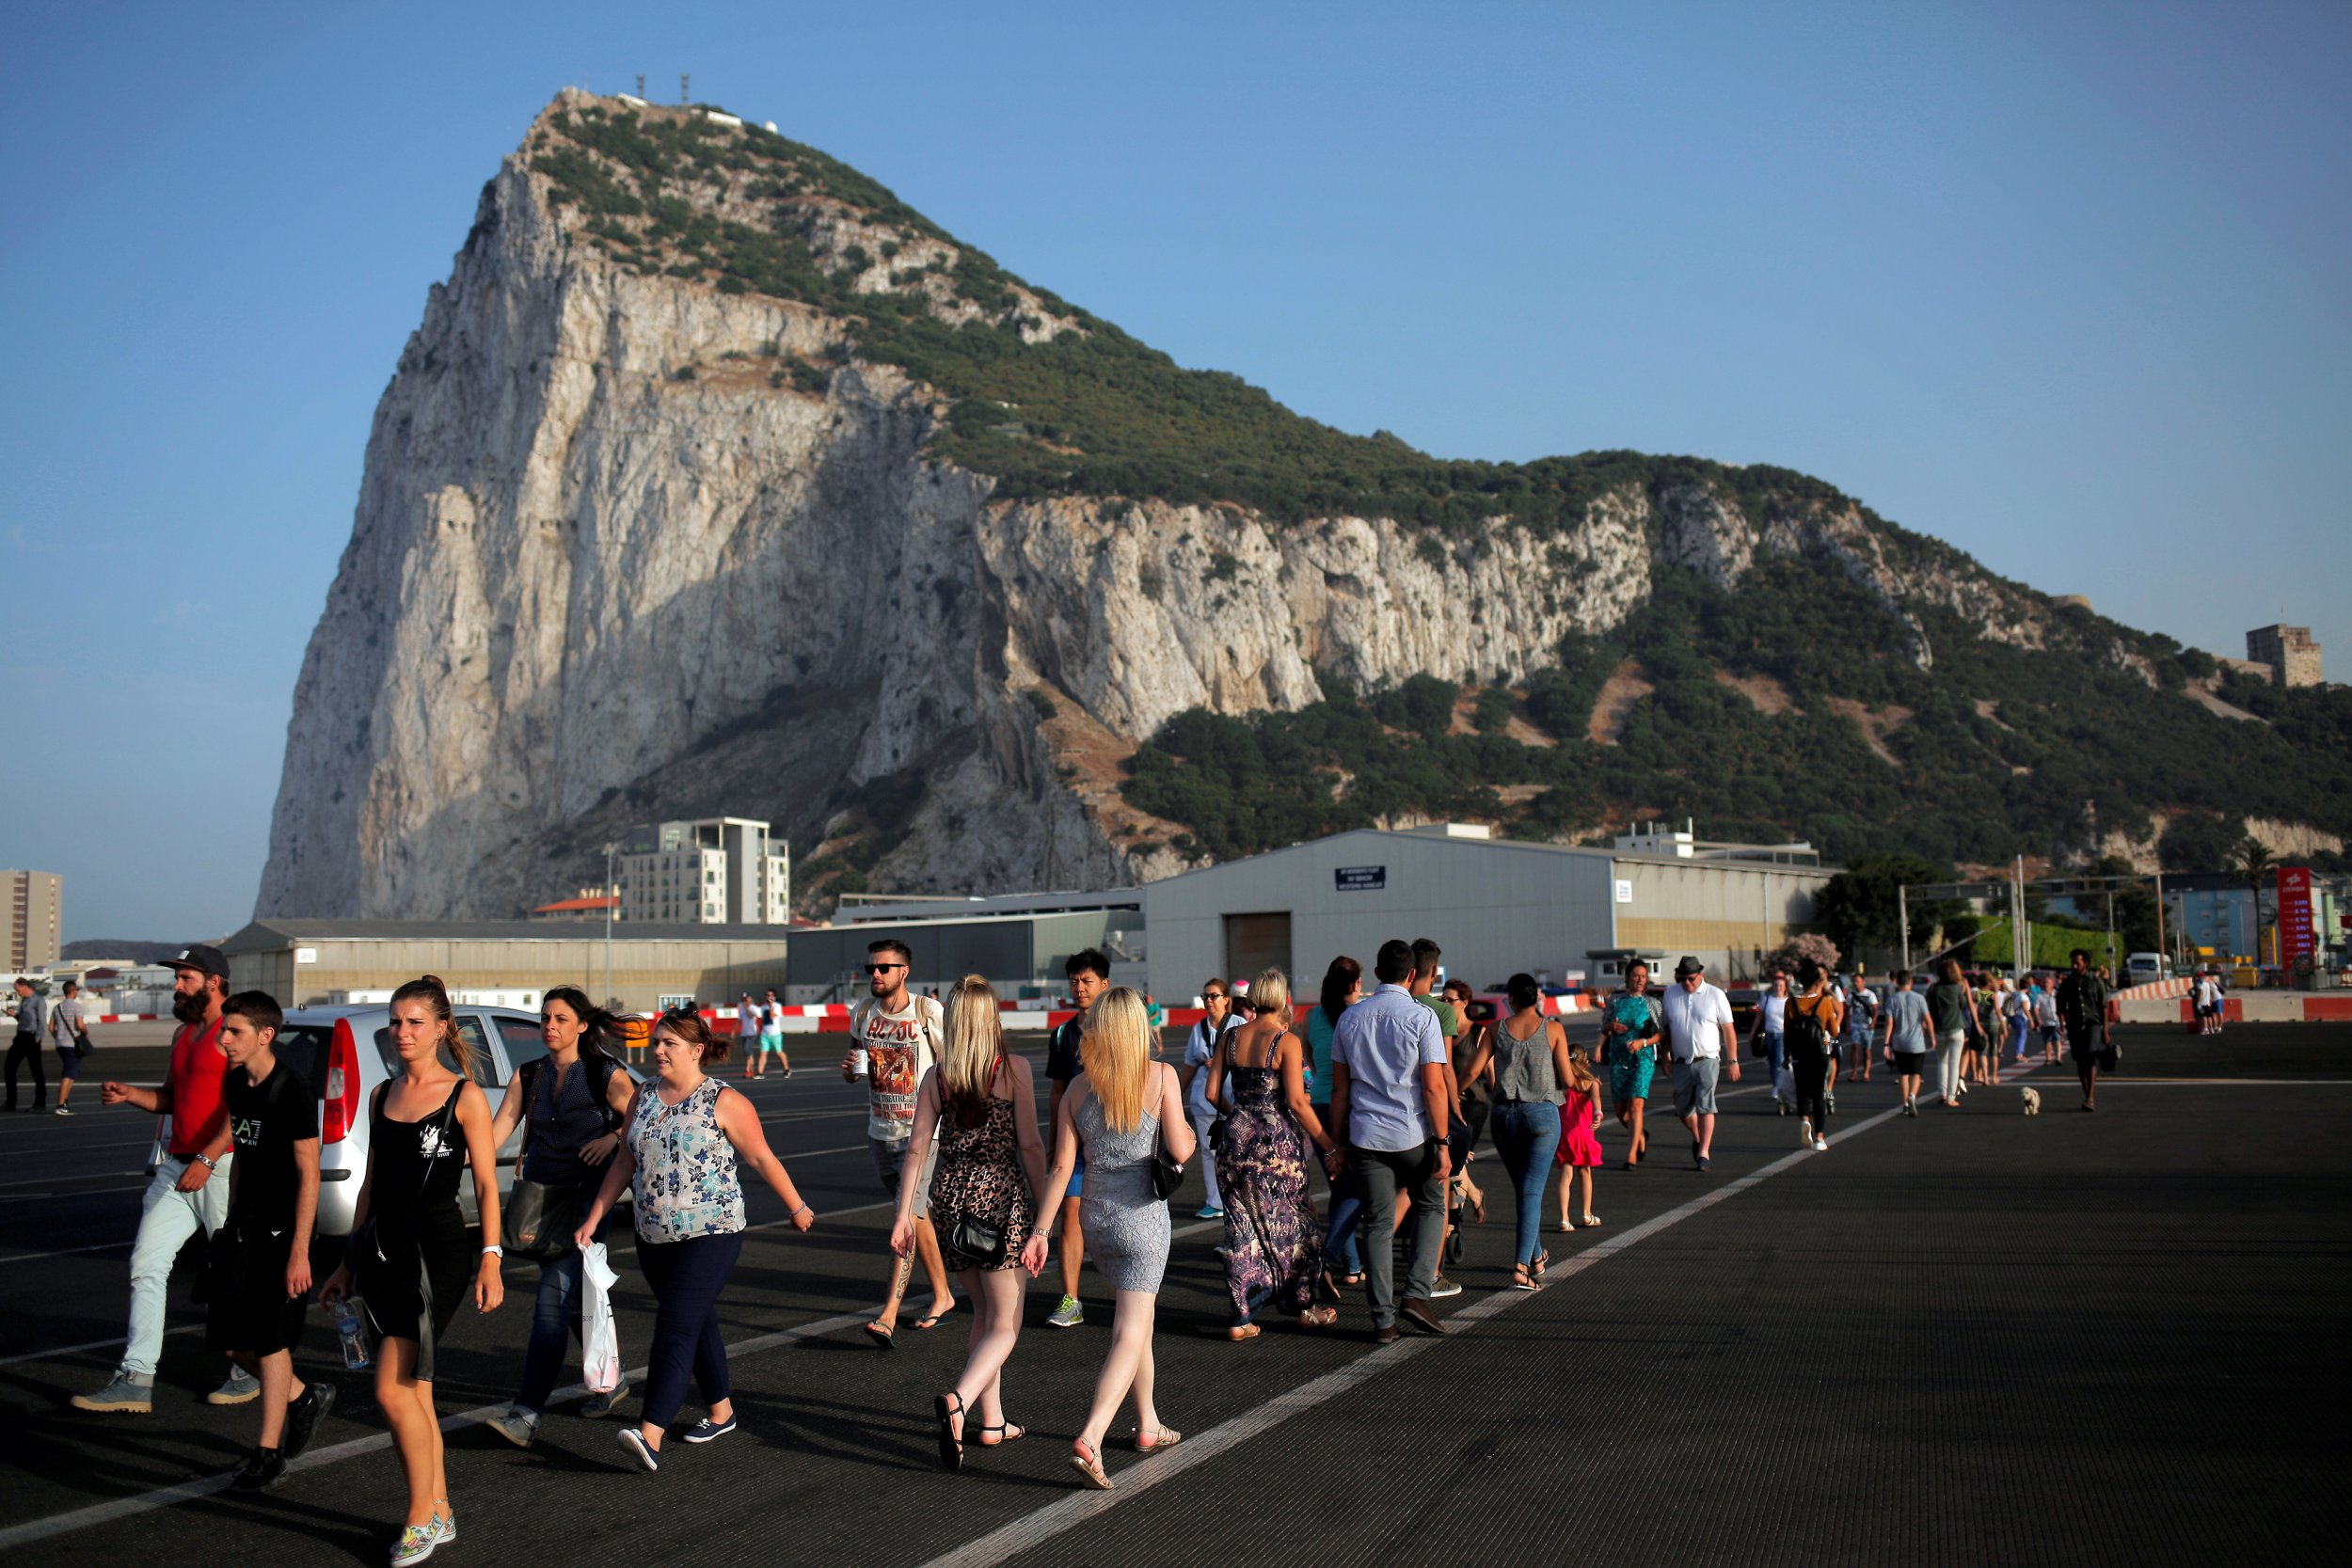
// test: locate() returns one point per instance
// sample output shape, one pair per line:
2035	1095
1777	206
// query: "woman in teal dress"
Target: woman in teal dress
1629	1035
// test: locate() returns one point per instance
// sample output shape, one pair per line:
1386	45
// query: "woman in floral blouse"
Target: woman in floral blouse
685	1140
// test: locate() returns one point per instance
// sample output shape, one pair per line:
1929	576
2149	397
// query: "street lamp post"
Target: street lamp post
612	899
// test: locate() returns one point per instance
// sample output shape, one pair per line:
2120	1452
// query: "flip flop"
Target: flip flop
879	1334
932	1321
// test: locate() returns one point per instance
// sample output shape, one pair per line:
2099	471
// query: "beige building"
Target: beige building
34	902
718	871
309	963
1496	906
2287	652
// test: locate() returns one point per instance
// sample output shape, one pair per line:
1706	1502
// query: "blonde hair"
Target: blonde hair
974	1043
1587	1082
1270	993
1116	1062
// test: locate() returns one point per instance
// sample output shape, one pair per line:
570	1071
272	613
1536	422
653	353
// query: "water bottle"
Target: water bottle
350	1327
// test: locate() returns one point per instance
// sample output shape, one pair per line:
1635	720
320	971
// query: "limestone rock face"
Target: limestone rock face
629	547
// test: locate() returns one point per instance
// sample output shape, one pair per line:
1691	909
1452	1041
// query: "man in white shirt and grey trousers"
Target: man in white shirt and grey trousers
1699	1034
1389	1110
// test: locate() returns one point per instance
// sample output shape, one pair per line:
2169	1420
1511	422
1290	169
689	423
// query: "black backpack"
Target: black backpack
1803	1026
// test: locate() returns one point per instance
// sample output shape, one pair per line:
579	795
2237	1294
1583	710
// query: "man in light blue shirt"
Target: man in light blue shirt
1391	1110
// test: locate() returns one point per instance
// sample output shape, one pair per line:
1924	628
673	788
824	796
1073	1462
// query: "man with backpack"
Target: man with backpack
898	1033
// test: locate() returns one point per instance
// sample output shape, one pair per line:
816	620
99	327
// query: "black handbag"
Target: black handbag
1166	1176
976	1239
540	1218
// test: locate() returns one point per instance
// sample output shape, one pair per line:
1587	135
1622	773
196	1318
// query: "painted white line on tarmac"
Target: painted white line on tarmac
56	1352
63	1252
1028	1533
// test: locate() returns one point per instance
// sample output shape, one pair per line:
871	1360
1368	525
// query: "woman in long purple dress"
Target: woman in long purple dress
1273	1245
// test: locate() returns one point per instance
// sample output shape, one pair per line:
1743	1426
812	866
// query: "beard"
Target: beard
188	1010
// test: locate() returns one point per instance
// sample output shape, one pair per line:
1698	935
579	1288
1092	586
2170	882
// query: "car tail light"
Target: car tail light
342	1085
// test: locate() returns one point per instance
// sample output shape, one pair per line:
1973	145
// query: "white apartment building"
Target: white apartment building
32	904
718	871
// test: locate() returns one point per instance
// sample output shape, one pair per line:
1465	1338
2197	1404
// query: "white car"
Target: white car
347	1050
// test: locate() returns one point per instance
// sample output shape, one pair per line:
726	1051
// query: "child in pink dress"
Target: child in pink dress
1580	1143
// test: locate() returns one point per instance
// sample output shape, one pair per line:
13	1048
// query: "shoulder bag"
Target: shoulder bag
540	1218
983	1240
1166	1174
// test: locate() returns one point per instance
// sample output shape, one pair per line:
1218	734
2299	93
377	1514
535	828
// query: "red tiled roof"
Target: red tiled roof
565	906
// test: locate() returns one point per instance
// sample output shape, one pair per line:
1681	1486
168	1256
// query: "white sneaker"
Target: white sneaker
1820	1145
61	1111
1804	1134
518	1426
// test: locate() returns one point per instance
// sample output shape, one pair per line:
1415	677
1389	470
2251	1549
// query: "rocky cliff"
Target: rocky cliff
691	495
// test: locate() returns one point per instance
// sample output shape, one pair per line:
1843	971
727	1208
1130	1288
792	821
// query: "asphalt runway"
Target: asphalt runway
1973	1336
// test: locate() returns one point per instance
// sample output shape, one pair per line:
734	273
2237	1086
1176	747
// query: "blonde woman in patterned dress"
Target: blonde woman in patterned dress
981	1104
686	1139
1273	1246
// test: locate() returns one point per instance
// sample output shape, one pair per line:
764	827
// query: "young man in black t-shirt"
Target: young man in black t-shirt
260	1259
1089	977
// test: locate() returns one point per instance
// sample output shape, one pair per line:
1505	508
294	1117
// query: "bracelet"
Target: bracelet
803	1209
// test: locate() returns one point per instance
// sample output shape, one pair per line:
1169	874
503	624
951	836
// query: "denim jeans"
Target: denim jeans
1526	1133
1207	1159
168	1217
1382	1173
687	1277
554	1323
1775	1055
1339	1250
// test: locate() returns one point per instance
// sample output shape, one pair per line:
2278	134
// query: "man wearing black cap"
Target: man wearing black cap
1699	1034
190	1189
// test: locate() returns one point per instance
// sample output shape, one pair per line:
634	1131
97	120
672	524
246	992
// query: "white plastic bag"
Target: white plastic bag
600	1339
1785	1086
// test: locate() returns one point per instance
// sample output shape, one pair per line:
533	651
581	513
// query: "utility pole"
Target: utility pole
1902	912
612	902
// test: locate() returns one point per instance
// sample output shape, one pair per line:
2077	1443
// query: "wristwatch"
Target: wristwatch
206	1161
493	1250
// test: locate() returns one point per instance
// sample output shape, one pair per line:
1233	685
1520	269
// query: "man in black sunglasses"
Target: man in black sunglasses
895	1036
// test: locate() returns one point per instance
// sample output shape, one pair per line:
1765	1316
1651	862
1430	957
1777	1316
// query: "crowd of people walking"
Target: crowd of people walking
1387	1092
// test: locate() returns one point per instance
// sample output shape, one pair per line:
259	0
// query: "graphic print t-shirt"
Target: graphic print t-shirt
898	1053
266	1120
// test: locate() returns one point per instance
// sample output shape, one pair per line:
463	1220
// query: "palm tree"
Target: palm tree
2255	864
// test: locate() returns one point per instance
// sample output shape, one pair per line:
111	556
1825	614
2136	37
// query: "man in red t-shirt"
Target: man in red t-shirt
191	1186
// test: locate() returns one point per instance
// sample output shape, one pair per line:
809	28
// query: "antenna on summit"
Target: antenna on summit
640	84
684	97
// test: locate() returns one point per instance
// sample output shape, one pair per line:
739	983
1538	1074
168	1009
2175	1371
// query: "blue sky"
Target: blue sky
2065	285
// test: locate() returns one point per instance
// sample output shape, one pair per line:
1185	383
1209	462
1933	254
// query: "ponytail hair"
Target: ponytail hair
599	1030
429	989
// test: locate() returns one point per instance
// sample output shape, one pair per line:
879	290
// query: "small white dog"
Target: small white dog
2033	1101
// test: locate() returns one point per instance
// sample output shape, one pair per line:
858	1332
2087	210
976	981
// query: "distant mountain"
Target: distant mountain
717	479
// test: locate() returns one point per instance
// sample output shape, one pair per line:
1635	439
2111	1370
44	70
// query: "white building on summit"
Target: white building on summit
718	871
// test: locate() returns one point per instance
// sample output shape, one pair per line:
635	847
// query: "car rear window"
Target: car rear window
303	1046
523	1041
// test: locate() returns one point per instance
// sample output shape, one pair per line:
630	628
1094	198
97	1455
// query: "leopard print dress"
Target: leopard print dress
980	1173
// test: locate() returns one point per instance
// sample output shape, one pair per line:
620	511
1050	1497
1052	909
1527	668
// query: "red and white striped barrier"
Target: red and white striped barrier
2154	991
124	1018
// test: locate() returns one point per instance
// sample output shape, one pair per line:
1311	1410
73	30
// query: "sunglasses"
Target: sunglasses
882	969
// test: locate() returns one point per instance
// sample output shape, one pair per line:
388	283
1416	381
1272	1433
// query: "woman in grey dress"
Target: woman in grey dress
1120	1108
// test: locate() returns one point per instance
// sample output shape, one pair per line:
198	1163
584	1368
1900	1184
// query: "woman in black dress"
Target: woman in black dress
409	1254
981	1104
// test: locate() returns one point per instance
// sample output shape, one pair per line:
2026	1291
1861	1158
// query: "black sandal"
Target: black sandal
949	1409
1007	1432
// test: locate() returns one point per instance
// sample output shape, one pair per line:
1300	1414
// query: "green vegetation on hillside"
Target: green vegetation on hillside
1091	413
2071	730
